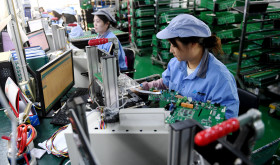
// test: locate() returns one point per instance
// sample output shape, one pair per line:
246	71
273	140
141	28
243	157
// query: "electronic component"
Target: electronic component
185	108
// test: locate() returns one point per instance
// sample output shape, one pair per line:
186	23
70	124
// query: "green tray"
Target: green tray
273	15
166	17
164	44
124	5
143	22
144	42
166	55
221	4
229	33
144	32
275	40
221	18
141	12
229	48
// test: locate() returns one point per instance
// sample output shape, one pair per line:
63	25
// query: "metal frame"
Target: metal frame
18	42
246	14
55	36
110	81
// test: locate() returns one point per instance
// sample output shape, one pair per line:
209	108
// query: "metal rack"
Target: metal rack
139	42
189	5
253	8
122	15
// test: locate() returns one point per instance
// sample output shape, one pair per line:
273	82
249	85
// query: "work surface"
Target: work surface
45	130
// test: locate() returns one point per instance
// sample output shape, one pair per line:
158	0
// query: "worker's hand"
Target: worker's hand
135	91
179	96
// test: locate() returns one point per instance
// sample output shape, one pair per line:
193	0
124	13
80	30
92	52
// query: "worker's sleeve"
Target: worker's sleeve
154	84
76	32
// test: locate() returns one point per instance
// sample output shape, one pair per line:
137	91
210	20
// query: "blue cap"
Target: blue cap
106	13
58	10
185	25
68	10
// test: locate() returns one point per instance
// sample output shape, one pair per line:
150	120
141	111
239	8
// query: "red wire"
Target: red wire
22	137
26	158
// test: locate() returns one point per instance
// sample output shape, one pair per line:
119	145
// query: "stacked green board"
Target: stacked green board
147	11
221	18
144	32
144	42
221	4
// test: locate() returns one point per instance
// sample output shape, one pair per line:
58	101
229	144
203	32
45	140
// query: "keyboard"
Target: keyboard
61	118
79	92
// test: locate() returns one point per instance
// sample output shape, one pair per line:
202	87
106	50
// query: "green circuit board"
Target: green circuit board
206	114
164	96
98	76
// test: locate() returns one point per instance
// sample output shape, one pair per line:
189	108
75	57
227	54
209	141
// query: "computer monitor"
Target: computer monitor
35	25
6	41
55	79
38	38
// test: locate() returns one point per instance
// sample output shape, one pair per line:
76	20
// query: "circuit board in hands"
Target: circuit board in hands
185	108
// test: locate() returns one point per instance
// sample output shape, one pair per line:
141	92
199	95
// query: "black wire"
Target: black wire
62	161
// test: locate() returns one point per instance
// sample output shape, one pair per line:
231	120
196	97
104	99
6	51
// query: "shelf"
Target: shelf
251	12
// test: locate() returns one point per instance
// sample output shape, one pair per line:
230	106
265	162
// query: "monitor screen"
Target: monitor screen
55	79
7	42
35	25
38	38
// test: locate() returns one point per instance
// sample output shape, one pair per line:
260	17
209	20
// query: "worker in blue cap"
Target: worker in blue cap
194	71
102	21
68	16
57	13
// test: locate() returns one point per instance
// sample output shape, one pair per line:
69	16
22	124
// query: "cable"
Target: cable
24	139
52	147
69	161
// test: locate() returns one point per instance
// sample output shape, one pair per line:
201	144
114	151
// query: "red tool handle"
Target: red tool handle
54	18
72	24
6	137
99	41
211	134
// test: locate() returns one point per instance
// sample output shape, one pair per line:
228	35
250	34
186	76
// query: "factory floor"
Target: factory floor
144	67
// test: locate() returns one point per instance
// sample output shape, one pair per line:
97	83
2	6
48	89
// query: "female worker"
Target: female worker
57	13
68	16
102	22
195	72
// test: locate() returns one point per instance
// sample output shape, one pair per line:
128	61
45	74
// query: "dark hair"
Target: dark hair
69	18
105	20
56	14
41	8
213	43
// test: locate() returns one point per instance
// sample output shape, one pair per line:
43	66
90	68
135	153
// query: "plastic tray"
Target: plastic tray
144	41
220	4
229	48
144	32
229	33
141	12
221	18
142	22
